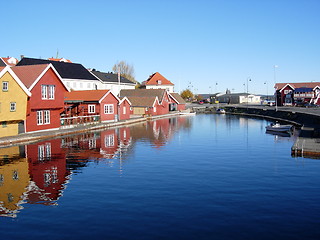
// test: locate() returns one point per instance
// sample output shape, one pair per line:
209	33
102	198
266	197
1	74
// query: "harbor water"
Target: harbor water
190	177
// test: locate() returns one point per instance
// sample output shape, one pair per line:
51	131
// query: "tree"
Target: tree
187	94
126	70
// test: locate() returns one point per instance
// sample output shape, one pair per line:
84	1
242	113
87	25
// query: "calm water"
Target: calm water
198	177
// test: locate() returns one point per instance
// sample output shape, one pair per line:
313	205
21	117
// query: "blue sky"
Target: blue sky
210	45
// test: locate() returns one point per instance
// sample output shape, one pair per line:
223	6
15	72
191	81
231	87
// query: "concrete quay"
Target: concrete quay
26	138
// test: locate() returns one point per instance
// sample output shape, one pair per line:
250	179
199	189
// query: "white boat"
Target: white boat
187	113
221	110
277	127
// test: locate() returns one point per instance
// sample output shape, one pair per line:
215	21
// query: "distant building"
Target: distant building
8	61
291	93
157	81
238	98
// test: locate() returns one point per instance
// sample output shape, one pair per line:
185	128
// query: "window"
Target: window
124	110
51	91
46	117
39	117
88	85
108	109
13	107
5	86
47	91
159	81
4	124
154	109
91	109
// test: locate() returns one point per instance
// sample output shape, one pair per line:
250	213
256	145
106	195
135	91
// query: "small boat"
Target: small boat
221	111
277	127
187	113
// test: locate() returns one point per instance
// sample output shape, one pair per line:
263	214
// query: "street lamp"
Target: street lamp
266	83
248	80
274	79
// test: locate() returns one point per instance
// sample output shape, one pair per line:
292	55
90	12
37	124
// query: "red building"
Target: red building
149	101
46	102
93	106
178	103
292	93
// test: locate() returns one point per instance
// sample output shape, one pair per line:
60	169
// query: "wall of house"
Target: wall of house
14	94
170	88
109	99
163	108
123	116
181	107
36	103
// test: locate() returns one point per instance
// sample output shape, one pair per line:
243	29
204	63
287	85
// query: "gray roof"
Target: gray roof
111	77
2	63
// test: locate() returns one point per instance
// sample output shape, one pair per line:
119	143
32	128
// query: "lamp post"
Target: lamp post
266	83
274	79
248	80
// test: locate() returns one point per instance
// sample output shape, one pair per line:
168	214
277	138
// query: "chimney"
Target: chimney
21	56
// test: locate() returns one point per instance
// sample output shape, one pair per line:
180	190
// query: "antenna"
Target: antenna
57	53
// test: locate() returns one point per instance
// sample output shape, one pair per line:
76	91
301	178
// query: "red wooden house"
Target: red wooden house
293	93
148	101
93	106
46	102
178	102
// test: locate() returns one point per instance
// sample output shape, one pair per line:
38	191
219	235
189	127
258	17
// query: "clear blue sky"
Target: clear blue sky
198	43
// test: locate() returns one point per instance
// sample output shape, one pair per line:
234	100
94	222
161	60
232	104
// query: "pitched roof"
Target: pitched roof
60	60
110	77
4	70
9	61
177	97
1	68
29	74
279	86
85	95
65	70
142	101
2	63
143	93
157	79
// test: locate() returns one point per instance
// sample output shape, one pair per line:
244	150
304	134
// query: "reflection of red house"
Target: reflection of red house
47	170
148	101
47	96
98	105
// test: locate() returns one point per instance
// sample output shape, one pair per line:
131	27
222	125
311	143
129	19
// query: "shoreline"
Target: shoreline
31	137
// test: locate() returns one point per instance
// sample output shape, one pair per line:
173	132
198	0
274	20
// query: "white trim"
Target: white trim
104	96
286	86
43	72
15	77
123	99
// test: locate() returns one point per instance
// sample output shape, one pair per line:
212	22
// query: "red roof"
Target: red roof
60	60
1	68
28	74
158	79
10	61
85	95
279	86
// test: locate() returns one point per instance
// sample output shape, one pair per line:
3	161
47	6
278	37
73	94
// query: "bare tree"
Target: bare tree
126	70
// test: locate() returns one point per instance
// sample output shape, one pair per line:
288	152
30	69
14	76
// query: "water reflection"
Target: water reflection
39	173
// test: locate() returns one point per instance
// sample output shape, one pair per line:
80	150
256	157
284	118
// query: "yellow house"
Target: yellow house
13	103
14	181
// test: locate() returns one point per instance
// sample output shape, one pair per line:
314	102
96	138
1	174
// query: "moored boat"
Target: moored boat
221	110
277	127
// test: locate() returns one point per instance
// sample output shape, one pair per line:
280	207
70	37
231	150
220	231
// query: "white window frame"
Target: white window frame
91	108
13	106
44	92
124	110
5	86
52	90
154	109
108	109
46	117
39	118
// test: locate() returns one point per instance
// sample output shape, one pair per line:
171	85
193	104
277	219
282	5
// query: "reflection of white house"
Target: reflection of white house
238	98
112	81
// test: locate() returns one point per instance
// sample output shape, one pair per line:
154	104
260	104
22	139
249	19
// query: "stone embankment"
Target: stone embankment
31	137
307	120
